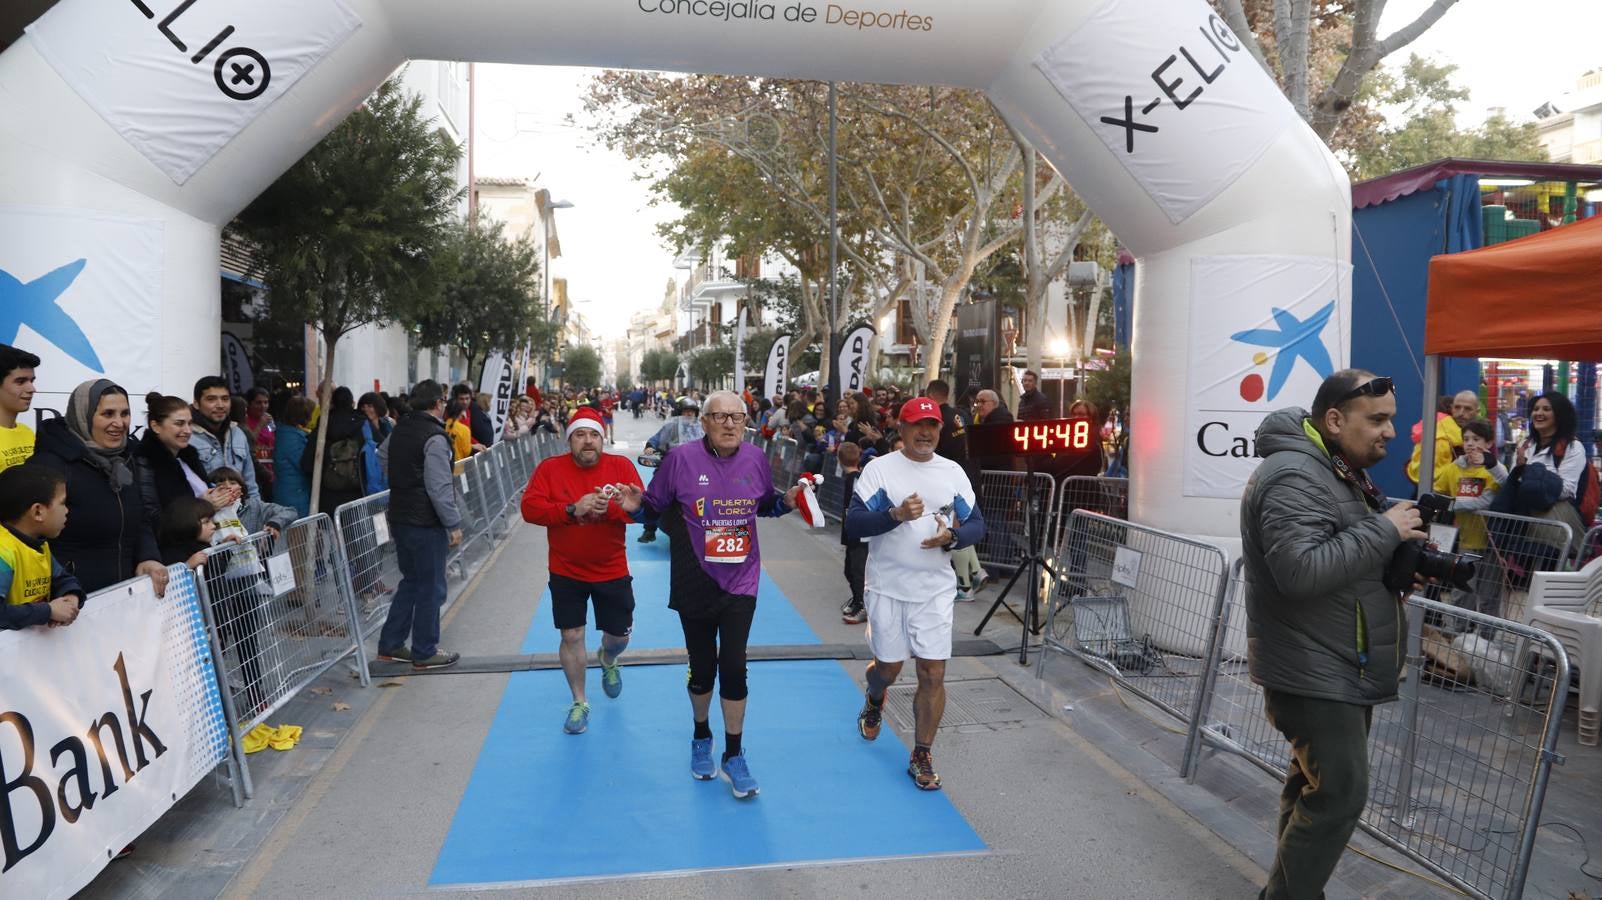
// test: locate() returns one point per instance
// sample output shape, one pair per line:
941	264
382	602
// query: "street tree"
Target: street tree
349	235
489	297
581	366
1322	50
712	365
1423	103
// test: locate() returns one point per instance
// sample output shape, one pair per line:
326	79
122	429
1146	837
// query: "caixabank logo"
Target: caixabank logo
1265	331
35	303
1293	339
82	291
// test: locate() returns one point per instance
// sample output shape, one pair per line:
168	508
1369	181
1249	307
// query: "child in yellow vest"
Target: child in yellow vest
1472	480
36	589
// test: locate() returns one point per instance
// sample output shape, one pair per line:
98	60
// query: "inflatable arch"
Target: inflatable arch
133	131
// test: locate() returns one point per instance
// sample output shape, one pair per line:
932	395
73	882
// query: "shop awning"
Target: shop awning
1537	297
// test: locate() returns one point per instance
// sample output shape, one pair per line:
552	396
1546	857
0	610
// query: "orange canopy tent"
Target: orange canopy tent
1539	296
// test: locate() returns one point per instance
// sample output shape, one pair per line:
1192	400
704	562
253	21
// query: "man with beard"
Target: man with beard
1323	632
571	496
217	439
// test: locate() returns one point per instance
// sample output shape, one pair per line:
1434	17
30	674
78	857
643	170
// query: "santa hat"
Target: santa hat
585	417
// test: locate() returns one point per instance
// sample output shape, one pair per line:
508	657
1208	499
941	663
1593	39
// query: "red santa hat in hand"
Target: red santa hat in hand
807	500
585	417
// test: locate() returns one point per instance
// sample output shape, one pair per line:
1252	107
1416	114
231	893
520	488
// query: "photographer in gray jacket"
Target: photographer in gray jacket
1324	634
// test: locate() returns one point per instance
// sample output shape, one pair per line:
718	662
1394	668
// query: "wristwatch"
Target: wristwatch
570	511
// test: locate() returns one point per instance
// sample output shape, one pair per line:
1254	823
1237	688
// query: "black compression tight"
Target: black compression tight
716	644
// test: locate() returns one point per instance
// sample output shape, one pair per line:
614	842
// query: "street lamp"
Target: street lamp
550	337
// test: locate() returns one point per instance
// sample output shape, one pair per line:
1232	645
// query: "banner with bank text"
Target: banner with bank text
180	87
82	291
104	725
1265	331
776	377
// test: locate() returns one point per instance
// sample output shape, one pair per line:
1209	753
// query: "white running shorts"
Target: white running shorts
898	629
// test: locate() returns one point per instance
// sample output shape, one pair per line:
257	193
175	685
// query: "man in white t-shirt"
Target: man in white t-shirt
914	507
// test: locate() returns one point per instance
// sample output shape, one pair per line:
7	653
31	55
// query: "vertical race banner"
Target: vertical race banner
236	365
180	87
82	291
776	377
851	365
978	349
1265	331
104	725
496	380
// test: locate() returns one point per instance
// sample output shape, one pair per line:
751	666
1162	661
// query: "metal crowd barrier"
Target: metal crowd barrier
1588	547
1004	503
1459	767
1512	548
494	482
283	611
831	493
1093	493
1139	604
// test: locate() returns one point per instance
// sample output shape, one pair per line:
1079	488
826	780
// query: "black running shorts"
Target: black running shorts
614	603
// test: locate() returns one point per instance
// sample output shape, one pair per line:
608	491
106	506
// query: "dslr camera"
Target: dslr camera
1416	557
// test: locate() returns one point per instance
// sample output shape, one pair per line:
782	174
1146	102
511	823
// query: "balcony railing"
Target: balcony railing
1587	151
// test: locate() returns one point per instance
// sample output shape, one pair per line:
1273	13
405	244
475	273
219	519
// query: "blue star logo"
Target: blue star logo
1294	339
34	304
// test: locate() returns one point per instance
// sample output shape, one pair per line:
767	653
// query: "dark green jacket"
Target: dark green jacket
1319	621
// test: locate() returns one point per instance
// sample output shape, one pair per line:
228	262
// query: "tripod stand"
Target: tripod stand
1031	561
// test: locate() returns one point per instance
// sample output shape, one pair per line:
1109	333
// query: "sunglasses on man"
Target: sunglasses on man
1377	387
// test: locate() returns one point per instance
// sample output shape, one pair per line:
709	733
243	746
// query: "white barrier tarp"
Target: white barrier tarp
104	725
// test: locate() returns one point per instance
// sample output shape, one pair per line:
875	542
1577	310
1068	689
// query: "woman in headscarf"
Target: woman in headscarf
109	536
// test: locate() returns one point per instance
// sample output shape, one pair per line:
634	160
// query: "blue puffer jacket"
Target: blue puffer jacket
291	485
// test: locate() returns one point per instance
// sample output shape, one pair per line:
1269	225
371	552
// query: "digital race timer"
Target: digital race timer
1071	437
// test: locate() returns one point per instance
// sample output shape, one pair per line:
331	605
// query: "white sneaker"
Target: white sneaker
964	596
980	580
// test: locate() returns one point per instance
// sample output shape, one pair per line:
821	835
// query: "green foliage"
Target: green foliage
710	366
349	234
756	347
625	382
1422	101
659	365
1109	387
581	366
489	296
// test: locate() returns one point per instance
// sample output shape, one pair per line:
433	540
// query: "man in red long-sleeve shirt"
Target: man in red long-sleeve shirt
571	496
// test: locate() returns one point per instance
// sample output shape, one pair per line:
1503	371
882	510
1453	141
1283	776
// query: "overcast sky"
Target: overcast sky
1510	54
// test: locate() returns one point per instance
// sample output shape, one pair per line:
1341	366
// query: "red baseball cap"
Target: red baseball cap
919	408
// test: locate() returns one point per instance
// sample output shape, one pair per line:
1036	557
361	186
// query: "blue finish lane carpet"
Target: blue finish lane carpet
543	805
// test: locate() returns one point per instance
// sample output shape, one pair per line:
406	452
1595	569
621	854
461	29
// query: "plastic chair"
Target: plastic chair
1568	605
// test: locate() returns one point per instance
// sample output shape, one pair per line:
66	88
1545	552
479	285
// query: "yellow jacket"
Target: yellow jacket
1448	439
1470	488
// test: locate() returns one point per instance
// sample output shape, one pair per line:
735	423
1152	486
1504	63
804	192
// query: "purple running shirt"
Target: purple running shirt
709	506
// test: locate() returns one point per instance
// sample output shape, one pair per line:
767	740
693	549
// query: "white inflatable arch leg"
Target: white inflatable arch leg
1150	108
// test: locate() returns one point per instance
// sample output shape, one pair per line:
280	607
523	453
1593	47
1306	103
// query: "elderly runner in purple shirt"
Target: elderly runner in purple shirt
707	495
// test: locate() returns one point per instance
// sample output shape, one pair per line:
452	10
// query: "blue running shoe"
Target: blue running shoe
578	718
738	775
611	675
701	765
